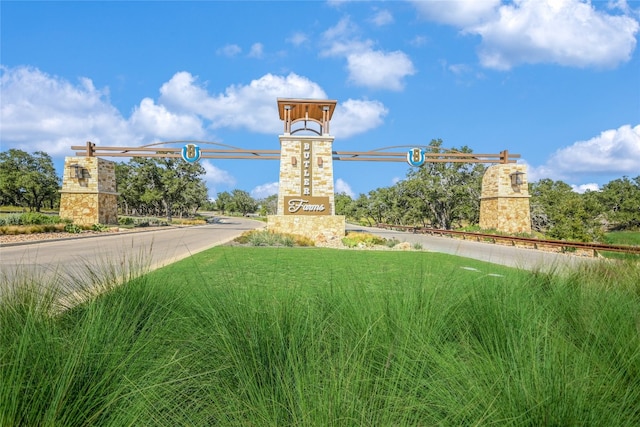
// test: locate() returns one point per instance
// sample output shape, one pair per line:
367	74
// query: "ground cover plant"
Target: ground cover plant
287	336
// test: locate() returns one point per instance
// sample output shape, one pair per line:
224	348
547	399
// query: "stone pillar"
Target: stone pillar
306	203
504	204
88	194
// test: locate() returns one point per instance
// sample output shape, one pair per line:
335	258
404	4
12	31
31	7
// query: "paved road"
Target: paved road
528	259
62	259
123	252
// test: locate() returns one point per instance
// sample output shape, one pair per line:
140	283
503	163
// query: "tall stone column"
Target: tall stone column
88	194
306	200
504	202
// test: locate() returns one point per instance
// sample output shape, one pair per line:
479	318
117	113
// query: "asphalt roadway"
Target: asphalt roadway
522	258
152	249
121	253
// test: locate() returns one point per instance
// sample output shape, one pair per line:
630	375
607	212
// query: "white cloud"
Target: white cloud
265	190
565	32
382	18
257	50
583	188
184	93
343	187
155	120
612	154
47	113
229	50
367	66
216	177
298	39
353	117
461	13
232	108
614	151
379	70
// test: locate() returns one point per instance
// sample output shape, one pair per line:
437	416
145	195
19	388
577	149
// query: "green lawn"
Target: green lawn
623	238
308	336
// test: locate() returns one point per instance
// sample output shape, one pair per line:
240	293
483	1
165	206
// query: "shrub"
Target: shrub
353	239
37	218
100	227
125	220
72	228
13	220
392	242
268	238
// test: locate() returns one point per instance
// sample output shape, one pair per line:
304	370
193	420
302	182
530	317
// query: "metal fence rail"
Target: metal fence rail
535	243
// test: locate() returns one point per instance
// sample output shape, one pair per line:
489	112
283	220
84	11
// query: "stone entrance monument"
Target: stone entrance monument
88	194
504	201
306	204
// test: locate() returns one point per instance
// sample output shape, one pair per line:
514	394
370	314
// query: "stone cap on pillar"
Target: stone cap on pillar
307	111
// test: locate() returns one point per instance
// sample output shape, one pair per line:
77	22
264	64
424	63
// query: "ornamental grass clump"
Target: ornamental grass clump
240	336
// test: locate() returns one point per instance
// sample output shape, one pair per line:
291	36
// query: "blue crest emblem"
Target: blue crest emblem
191	153
415	157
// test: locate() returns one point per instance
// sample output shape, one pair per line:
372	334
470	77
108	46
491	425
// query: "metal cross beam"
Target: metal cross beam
230	152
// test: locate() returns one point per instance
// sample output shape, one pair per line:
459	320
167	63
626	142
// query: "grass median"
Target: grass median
310	336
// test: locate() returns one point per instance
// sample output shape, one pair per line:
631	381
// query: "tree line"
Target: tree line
439	195
447	196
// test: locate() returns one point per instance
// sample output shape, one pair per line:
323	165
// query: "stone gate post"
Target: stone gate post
504	201
88	194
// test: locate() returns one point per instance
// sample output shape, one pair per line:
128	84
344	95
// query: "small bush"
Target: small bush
37	218
417	246
72	228
268	238
392	242
13	220
100	227
352	240
125	220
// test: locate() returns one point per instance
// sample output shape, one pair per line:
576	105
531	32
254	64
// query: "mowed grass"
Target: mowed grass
320	337
623	237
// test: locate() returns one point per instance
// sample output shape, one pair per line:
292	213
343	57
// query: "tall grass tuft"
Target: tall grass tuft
277	336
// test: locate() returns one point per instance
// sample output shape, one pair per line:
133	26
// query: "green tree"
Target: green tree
345	205
567	214
269	205
223	201
28	180
242	202
447	192
161	186
620	200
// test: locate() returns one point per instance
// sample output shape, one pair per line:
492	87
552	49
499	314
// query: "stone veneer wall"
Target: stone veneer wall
291	176
91	199
320	228
504	207
316	227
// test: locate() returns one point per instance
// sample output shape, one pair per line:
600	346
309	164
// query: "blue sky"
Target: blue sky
557	81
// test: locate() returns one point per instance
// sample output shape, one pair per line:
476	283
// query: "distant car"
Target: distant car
213	220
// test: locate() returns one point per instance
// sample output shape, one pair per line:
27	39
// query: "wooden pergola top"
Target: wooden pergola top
306	108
